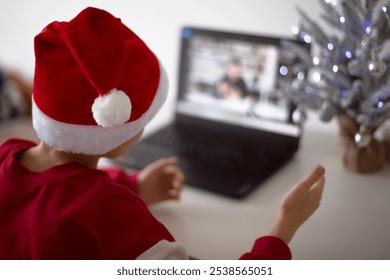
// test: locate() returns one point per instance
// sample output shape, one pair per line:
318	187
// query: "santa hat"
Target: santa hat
96	84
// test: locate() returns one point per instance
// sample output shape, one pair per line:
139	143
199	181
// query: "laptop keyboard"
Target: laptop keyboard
210	149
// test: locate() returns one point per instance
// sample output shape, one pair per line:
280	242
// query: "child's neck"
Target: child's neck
43	157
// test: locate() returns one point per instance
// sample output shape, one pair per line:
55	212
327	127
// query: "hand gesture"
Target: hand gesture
299	204
160	180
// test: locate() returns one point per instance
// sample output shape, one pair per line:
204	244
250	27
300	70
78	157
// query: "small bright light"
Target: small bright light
316	60
368	30
295	30
348	54
380	104
307	39
342	19
330	46
333	2
335	68
308	89
316	77
344	93
371	66
358	137
301	76
283	70
384	9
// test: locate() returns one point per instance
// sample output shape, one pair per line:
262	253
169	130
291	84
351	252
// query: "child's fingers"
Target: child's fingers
317	189
160	163
172	168
177	176
171	160
315	174
174	194
177	185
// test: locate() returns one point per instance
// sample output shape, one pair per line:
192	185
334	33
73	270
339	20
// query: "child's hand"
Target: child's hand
160	180
298	205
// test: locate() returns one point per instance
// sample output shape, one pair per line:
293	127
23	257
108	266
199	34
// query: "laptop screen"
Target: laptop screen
234	79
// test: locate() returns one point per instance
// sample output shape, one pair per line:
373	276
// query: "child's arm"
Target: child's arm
297	206
161	180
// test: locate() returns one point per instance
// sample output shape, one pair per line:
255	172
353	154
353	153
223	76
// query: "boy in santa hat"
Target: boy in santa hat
96	86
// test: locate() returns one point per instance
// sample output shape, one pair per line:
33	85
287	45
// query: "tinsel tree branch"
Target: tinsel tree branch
348	75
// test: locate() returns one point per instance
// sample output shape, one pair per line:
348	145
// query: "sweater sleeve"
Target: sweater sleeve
118	176
268	248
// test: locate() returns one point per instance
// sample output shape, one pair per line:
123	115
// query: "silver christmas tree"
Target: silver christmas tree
344	73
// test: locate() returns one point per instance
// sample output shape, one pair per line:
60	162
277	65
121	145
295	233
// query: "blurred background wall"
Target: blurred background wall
156	21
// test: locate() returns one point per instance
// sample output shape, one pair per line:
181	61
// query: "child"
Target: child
96	86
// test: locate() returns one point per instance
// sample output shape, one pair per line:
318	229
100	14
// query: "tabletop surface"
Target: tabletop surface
351	223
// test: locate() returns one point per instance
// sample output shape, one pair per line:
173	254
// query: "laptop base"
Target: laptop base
234	174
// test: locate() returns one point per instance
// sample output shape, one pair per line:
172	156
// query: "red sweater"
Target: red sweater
72	212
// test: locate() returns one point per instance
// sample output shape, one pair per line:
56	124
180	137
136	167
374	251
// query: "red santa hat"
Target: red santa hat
96	83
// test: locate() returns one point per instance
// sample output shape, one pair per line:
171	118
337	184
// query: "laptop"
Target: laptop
232	127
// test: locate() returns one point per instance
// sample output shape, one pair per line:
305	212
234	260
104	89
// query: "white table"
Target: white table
353	221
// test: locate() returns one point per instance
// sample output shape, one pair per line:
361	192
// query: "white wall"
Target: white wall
156	21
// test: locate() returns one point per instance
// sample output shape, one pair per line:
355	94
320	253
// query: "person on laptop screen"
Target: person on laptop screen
96	86
232	85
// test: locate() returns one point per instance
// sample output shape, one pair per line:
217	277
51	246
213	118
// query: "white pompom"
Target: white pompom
112	109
